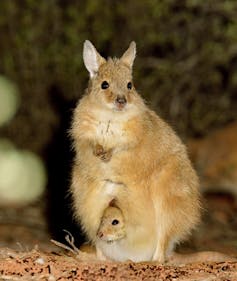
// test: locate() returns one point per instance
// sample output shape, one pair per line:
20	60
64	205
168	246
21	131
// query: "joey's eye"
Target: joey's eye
104	85
129	85
115	222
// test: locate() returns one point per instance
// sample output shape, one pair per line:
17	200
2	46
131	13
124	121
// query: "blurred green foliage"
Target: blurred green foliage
185	67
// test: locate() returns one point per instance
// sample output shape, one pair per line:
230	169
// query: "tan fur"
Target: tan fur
148	174
108	231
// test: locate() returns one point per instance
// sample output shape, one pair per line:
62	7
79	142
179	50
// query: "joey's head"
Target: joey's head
111	83
112	226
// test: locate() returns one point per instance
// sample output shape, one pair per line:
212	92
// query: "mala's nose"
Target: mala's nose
121	100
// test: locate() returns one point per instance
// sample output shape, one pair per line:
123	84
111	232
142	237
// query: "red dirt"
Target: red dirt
37	265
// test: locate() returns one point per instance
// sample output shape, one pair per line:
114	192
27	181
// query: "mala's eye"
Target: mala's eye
129	85
115	222
104	85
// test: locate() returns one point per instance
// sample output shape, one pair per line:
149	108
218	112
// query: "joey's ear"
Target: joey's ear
129	56
92	59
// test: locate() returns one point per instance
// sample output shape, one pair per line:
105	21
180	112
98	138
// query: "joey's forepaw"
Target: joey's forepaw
102	154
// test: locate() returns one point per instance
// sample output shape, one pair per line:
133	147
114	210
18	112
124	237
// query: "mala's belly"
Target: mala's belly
121	251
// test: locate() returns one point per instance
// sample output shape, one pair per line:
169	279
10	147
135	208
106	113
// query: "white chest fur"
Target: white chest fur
109	128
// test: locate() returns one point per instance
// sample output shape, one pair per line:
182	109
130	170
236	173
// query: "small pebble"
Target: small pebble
40	261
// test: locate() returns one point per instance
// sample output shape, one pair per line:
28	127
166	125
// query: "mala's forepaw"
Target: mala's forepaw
102	154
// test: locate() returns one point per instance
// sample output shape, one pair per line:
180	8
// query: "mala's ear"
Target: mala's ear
129	55
92	59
